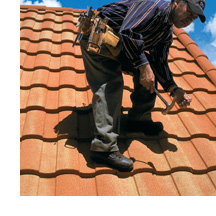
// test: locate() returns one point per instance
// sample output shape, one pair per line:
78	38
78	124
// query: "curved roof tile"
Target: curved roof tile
56	120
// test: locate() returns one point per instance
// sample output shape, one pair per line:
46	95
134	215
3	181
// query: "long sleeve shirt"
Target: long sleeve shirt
144	25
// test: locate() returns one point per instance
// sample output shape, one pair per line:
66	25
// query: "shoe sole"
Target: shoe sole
101	161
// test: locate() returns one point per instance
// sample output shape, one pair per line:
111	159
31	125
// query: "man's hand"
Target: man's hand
183	99
147	77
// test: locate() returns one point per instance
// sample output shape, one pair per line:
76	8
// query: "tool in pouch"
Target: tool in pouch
102	38
84	24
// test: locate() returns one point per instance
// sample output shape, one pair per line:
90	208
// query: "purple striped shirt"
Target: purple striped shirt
144	25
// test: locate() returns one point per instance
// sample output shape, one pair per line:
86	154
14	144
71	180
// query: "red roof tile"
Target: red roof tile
56	121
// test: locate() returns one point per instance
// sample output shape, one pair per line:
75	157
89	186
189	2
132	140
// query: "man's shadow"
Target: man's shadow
78	129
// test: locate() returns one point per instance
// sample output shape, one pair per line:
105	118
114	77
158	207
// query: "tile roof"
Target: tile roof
56	122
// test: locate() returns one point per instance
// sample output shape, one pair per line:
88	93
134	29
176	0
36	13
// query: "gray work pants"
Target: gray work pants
105	79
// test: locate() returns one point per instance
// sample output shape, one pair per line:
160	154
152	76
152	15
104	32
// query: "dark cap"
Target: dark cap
198	6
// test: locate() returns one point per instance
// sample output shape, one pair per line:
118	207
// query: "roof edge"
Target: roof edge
51	8
198	55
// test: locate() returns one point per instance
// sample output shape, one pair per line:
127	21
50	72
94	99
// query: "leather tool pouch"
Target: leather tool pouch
103	40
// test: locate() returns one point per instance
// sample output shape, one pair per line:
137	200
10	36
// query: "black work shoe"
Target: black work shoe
113	159
147	127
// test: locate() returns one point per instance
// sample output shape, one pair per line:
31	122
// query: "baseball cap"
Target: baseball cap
198	6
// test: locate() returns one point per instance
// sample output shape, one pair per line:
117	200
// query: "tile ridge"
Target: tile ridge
47	19
31	53
51	8
55	88
116	172
195	51
49	29
74	108
58	137
51	69
47	39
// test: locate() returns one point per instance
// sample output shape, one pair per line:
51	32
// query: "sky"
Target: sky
204	35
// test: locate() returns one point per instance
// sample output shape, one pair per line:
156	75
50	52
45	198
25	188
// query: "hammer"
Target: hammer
168	106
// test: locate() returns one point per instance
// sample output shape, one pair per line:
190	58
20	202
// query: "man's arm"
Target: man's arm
164	74
147	77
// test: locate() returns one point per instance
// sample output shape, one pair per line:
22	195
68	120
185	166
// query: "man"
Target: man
145	28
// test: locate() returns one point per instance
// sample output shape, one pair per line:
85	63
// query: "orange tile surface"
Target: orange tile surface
56	121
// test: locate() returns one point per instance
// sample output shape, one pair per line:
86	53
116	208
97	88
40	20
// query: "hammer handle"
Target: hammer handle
160	96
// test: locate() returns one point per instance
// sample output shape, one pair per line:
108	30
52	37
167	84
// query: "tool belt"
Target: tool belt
102	38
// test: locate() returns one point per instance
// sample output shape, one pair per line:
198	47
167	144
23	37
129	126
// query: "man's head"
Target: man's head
184	12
